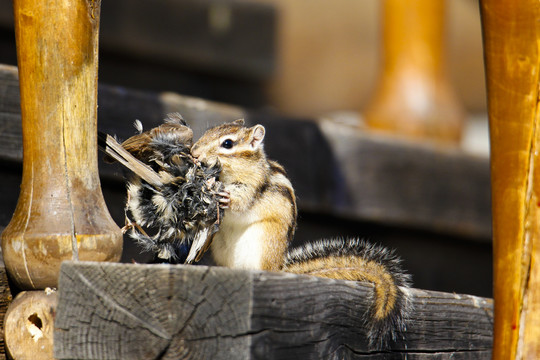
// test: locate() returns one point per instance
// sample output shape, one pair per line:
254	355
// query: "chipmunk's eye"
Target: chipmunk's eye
227	144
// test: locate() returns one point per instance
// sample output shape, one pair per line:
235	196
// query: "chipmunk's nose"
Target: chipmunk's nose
195	152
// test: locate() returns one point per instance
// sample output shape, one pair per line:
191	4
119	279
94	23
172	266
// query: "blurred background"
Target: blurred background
302	58
286	61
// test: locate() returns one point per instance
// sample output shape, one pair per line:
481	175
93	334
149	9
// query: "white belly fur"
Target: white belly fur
238	243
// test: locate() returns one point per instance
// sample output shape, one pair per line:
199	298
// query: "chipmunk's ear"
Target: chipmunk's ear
257	136
240	122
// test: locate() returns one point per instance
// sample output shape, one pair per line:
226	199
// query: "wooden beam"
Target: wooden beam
205	35
511	46
334	167
198	312
216	37
61	213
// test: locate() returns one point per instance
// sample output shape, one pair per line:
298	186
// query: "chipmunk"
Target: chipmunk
260	207
260	219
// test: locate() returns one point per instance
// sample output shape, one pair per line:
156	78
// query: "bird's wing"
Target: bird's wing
112	148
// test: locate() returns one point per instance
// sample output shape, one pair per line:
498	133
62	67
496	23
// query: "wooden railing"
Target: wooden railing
61	215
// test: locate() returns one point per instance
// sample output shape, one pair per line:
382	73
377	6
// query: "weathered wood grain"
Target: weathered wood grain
110	311
511	31
5	300
334	167
29	325
10	114
60	213
136	312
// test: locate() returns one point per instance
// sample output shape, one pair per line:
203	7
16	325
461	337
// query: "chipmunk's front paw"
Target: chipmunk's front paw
224	199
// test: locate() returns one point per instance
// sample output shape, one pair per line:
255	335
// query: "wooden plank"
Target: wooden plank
357	174
334	168
206	35
198	312
10	113
6	14
118	107
408	183
216	37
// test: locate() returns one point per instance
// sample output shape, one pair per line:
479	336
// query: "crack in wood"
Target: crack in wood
23	238
530	227
287	316
107	300
65	168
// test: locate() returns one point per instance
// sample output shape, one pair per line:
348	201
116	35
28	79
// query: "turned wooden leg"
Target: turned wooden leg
414	97
511	31
61	213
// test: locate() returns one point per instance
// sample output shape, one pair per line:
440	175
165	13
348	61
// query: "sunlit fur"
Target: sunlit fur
358	260
261	218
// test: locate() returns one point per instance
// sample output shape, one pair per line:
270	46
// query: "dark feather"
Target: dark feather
173	200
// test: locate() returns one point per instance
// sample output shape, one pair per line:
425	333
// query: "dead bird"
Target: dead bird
173	206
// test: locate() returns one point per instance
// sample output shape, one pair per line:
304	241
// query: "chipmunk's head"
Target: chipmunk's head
232	144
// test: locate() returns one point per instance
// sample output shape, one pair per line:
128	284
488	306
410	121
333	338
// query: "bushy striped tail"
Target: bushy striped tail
358	260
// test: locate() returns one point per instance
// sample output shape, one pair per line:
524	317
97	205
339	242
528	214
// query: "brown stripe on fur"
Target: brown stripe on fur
356	269
294	215
276	168
244	154
288	193
275	247
261	189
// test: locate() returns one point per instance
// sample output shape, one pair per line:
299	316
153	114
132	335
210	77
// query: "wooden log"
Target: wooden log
61	213
29	325
511	36
414	97
390	181
198	312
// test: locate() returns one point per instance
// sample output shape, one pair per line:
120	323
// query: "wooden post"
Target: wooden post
61	213
414	97
511	31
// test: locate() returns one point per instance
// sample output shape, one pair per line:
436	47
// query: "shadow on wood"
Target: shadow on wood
431	204
391	181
